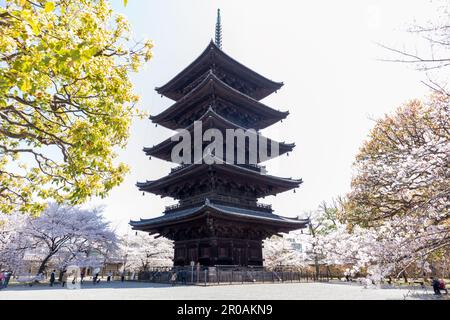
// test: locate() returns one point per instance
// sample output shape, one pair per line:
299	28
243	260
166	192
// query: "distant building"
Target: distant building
300	244
31	262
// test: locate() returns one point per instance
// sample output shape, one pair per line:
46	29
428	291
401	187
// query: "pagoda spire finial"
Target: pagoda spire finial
218	39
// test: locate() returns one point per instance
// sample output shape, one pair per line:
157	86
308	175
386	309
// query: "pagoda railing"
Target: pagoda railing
172	207
240	202
264	206
253	167
220	199
222	275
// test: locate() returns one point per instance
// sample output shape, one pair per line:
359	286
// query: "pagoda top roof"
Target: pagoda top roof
213	85
211	56
192	172
210	119
228	212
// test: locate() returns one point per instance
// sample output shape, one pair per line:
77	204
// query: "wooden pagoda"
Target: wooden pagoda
218	220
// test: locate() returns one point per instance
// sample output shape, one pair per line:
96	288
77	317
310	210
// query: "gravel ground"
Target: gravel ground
135	290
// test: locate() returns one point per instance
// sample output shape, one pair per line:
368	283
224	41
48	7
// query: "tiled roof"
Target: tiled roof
210	120
221	209
212	54
212	83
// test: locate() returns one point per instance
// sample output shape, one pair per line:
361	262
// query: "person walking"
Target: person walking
52	278
173	278
7	276
64	278
436	286
81	277
94	279
108	279
184	277
442	286
2	280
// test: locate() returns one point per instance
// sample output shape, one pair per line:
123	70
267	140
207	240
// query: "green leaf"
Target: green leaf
75	54
125	2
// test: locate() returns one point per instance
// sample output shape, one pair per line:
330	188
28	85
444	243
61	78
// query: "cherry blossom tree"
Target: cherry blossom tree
12	246
397	213
141	251
63	235
279	251
386	250
403	169
321	222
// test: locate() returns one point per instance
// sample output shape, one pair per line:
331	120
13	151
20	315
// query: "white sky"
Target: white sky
324	53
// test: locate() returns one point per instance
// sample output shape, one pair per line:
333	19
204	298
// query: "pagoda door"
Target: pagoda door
239	257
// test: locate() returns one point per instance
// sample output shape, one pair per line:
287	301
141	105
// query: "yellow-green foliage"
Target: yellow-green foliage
66	100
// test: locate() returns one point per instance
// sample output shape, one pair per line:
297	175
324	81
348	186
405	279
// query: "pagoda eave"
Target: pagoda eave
214	88
219	211
191	174
213	55
163	151
210	120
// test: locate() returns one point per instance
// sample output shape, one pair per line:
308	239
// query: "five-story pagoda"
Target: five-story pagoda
218	220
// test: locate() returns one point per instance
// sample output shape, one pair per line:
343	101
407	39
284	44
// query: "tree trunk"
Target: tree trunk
316	258
405	276
316	262
44	264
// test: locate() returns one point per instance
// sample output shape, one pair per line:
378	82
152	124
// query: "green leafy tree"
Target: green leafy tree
66	100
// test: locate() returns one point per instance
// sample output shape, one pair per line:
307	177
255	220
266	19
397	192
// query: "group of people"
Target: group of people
64	276
438	286
4	279
179	276
109	277
95	279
